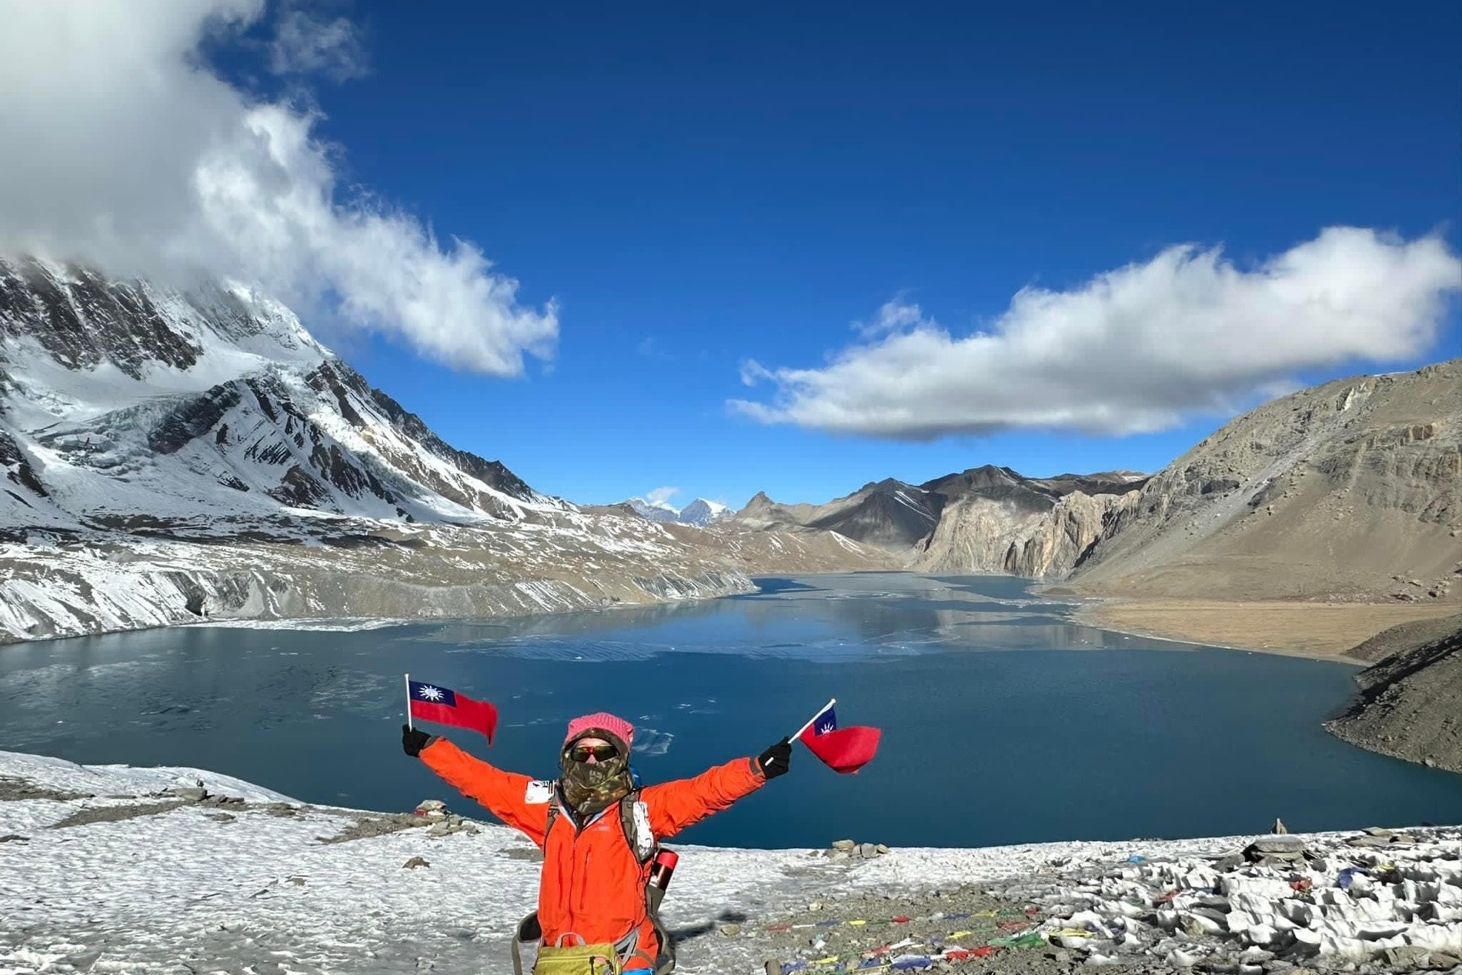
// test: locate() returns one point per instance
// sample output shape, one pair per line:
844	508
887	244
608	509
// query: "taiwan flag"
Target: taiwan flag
843	750
433	702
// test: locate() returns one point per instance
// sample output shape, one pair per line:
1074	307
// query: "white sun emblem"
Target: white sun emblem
430	693
825	727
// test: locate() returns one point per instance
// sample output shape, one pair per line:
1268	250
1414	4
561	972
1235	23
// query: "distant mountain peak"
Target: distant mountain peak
703	512
699	512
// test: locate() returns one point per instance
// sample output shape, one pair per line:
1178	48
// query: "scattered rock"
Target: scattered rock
415	862
16	789
374	826
431	808
114	814
1408	957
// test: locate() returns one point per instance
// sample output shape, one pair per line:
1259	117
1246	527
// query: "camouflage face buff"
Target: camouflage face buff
589	787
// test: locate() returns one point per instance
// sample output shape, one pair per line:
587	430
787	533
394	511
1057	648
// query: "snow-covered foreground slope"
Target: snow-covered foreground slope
107	869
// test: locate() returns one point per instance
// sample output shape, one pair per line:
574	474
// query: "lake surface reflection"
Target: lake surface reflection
1003	721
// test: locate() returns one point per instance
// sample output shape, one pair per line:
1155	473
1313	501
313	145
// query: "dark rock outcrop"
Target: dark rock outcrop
1408	705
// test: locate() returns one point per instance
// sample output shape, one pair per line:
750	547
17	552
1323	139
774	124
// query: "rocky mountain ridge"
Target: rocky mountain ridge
168	456
699	512
984	520
1347	491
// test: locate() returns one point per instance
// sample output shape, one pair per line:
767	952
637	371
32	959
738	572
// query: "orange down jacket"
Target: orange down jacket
592	884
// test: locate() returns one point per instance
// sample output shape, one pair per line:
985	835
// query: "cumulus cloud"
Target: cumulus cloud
123	149
1133	350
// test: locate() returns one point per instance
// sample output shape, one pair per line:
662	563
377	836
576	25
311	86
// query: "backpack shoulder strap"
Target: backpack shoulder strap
635	820
634	817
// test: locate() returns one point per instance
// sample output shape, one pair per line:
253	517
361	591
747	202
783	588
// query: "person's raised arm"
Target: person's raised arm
675	805
514	798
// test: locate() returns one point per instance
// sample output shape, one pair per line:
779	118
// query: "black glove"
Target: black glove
413	741
775	760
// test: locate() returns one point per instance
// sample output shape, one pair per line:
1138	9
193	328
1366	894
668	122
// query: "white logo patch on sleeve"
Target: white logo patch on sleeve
538	793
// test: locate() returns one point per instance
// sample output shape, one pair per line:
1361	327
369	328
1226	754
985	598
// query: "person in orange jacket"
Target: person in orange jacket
592	886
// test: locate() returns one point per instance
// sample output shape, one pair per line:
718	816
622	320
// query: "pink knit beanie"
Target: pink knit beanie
602	721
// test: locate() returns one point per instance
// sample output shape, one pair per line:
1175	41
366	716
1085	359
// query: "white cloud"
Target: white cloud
662	495
1133	350
892	316
305	43
124	150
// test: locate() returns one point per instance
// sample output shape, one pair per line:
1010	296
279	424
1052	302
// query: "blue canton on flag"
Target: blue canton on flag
825	721
433	694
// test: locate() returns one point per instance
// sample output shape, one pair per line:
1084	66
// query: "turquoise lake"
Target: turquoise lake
1003	722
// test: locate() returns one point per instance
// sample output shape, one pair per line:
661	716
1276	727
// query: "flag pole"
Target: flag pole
409	723
829	704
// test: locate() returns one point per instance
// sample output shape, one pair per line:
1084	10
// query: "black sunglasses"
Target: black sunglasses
601	753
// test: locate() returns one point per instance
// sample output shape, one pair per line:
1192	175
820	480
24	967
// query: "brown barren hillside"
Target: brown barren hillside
1347	492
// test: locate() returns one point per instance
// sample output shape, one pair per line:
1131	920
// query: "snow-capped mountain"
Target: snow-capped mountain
170	456
699	512
702	512
654	510
121	400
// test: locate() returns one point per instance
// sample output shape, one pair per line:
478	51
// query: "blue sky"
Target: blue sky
700	187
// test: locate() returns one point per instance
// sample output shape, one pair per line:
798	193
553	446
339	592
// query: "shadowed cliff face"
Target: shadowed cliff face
84	321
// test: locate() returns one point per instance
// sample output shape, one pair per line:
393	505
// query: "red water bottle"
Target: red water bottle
665	862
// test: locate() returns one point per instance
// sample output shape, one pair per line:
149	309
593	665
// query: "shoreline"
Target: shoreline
1316	631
